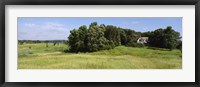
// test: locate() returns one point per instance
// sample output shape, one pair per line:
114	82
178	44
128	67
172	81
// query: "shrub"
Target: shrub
133	44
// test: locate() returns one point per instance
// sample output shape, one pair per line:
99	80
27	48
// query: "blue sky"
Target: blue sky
59	28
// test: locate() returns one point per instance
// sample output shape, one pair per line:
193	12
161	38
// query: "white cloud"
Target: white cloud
46	26
29	25
135	22
45	30
53	24
126	23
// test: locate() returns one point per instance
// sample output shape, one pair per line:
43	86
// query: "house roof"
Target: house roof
143	38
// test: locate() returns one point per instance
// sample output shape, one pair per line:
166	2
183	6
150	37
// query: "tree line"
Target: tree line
21	42
101	37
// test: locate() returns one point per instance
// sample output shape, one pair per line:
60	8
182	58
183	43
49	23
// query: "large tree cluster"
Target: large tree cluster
99	37
102	37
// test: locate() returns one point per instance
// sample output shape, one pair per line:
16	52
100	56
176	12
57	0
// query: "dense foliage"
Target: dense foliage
164	38
101	37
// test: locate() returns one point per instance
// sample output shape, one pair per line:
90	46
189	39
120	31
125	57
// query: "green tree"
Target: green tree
82	36
74	41
146	34
123	37
93	24
131	36
179	45
164	38
95	38
88	40
112	33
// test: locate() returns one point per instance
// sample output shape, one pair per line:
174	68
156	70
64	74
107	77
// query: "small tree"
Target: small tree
54	43
47	45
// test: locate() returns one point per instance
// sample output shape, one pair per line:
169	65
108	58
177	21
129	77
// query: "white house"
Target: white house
142	40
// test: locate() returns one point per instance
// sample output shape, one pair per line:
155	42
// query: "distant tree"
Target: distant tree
54	43
20	42
47	45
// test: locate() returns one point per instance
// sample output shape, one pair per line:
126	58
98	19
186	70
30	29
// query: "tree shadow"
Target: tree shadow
155	48
68	51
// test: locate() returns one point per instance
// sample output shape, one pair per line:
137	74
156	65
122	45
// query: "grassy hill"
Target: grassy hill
38	56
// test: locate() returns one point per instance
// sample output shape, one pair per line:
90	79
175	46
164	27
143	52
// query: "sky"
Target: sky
59	28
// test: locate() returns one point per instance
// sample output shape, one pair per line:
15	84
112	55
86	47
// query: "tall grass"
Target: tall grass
54	57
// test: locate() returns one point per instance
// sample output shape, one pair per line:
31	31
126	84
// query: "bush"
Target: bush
133	44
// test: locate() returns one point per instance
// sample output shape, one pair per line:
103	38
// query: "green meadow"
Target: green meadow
38	56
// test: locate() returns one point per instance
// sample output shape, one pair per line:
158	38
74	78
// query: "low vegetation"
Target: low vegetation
38	56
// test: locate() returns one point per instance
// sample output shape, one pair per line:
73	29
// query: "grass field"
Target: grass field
53	57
